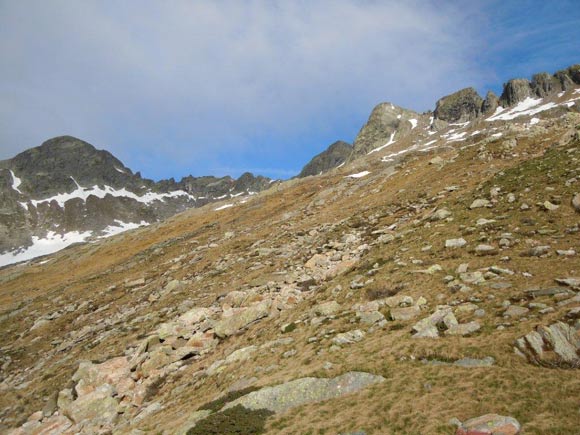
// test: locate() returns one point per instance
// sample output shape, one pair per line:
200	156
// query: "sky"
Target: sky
216	87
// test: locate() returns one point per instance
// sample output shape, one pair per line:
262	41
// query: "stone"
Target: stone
429	326
326	308
455	243
231	325
135	283
371	317
335	155
115	371
549	206
440	214
464	328
485	250
536	251
516	311
406	313
283	397
243	354
194	316
349	337
490	104
570	282
99	407
480	203
396	301
472	277
576	202
490	424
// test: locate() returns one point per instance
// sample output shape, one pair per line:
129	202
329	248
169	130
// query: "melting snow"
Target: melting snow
119	170
341	165
534	121
456	137
223	207
475	132
84	192
16	182
399	116
390	142
530	106
413	123
359	174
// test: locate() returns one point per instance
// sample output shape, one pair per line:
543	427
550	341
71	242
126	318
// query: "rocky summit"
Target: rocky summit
428	285
67	191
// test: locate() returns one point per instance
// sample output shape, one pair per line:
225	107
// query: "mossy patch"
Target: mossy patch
237	420
216	405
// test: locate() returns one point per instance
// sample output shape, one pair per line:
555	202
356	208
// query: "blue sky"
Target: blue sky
221	87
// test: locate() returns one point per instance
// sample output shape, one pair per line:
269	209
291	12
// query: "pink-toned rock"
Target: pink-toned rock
490	424
115	372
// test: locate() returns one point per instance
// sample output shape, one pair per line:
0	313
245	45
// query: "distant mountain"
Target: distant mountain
335	155
66	190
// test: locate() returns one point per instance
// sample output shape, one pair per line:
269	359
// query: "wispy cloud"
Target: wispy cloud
193	85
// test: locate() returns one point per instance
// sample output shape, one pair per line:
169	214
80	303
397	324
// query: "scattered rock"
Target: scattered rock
479	203
455	243
551	344
406	313
231	325
489	424
349	337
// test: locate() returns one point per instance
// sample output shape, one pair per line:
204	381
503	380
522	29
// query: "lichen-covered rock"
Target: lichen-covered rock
490	424
461	106
283	397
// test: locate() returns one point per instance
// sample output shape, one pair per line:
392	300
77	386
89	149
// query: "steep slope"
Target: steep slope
432	280
334	156
66	191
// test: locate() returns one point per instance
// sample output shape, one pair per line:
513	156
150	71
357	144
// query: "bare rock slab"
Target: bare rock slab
283	397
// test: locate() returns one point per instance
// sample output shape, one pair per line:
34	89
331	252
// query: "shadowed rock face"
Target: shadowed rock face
333	156
462	106
490	103
385	119
69	166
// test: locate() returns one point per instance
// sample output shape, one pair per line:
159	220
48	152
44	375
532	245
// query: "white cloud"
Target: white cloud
205	79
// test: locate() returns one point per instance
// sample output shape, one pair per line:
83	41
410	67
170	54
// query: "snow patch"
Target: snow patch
222	207
16	182
359	174
84	192
529	106
119	170
413	123
534	121
51	243
121	227
341	165
390	142
475	132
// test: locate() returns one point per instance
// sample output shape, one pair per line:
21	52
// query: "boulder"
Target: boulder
326	308
576	202
283	397
455	243
405	313
349	337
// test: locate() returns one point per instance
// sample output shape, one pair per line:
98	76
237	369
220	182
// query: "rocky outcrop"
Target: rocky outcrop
514	91
386	121
490	103
462	106
555	344
335	155
544	84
